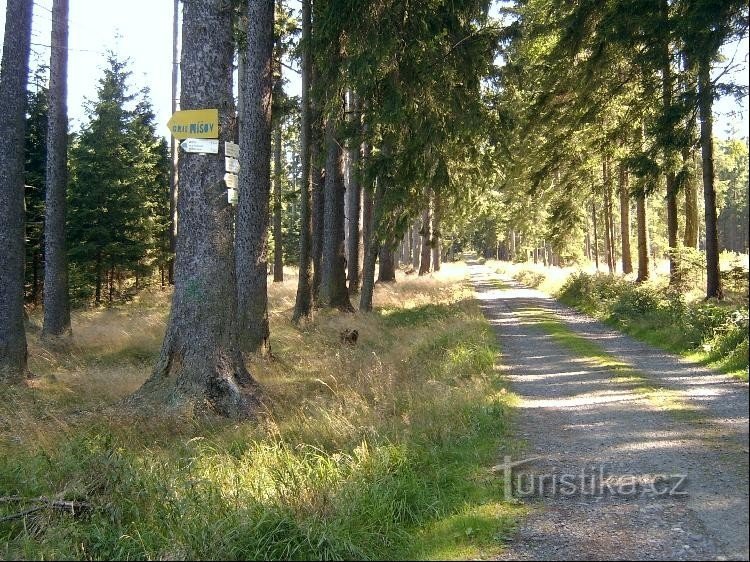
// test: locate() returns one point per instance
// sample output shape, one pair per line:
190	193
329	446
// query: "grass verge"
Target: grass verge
593	355
710	333
376	451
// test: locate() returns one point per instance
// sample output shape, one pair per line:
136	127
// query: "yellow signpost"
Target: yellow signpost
195	124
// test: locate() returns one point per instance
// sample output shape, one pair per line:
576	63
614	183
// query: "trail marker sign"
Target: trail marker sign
201	146
231	149
230	180
232	165
195	123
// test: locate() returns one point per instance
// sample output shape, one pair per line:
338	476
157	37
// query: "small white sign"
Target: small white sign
232	196
231	180
231	149
232	165
203	146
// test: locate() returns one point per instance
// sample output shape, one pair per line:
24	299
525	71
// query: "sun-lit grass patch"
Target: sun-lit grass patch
366	451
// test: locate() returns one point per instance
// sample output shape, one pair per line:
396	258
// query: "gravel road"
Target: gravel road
608	463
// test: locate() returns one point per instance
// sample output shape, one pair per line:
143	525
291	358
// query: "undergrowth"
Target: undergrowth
376	451
677	320
717	334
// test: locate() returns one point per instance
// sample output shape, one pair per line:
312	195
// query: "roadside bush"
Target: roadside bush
663	317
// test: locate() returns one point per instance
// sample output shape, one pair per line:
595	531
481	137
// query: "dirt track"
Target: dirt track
605	433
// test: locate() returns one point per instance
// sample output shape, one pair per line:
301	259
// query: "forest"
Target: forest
297	341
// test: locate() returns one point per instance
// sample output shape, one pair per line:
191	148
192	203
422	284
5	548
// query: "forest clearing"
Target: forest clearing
374	279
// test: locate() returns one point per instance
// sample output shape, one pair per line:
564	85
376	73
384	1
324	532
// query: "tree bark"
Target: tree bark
608	245
705	101
690	237
278	248
333	290
318	196
173	152
424	262
643	240
367	211
436	242
13	80
671	201
255	180
386	269
303	306
56	300
200	366
596	233
353	195
373	245
627	261
416	240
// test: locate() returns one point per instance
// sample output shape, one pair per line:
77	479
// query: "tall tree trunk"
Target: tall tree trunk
436	242
689	183
56	300
608	246
173	152
303	306
705	100
596	233
318	194
278	248
255	180
667	90
201	366
690	237
424	262
353	195
627	262
416	240
333	290
13	80
643	240
372	243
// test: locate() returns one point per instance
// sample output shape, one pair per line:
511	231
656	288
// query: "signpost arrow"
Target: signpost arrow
203	146
195	123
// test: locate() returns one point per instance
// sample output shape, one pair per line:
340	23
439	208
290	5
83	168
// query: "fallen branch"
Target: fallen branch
69	506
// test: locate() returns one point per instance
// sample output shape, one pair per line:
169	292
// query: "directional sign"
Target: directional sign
231	149
195	123
232	196
230	180
232	165
203	146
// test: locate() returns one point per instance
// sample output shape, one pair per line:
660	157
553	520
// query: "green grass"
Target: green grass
362	454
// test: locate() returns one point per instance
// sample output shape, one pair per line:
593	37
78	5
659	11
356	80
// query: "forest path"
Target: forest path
609	442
